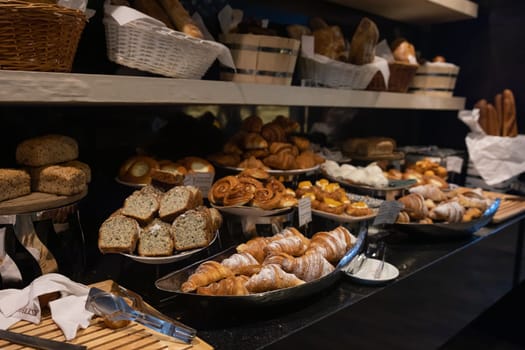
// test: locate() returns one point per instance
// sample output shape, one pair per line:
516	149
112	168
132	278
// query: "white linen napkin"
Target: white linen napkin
68	312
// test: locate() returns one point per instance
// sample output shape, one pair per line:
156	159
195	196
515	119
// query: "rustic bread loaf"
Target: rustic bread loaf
46	150
14	183
117	234
156	239
192	229
176	201
142	204
80	165
57	179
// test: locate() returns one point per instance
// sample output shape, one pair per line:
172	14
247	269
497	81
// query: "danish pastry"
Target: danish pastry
137	169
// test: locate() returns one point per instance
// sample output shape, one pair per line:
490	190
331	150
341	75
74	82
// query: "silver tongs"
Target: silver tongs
114	308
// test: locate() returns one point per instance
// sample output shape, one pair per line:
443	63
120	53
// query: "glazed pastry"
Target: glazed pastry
276	185
332	244
251	184
272	277
332	206
208	272
292	245
358	209
239	195
265	198
221	188
233	285
414	205
242	264
308	267
450	212
429	191
254	247
196	165
138	169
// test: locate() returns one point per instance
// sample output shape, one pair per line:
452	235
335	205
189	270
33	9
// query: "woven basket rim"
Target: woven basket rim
24	5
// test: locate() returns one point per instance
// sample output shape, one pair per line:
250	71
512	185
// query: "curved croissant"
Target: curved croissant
414	206
332	244
233	285
307	267
292	245
449	211
255	247
207	272
242	264
272	277
429	191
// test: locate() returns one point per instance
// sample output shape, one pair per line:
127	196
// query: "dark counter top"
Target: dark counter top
438	269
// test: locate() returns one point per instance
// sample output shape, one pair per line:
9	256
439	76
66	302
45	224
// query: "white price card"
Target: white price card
304	211
202	181
454	164
388	212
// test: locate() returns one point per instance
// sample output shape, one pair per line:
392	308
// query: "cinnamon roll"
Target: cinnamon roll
220	188
265	198
239	195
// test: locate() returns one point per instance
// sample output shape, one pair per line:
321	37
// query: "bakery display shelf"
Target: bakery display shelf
416	11
37	201
67	88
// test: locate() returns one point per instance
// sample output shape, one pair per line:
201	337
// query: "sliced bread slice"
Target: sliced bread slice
118	234
176	201
156	239
193	229
142	205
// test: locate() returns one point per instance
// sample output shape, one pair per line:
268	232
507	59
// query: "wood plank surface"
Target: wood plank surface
511	205
98	336
37	201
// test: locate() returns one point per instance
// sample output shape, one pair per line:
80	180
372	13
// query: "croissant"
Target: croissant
255	247
291	232
254	140
287	124
472	200
302	143
207	272
273	132
252	162
282	160
332	244
471	214
292	245
242	264
402	218
253	123
277	147
429	191
414	206
233	285
272	277
307	267
449	211
220	188
305	160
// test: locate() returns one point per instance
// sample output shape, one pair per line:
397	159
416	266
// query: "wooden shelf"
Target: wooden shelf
60	88
416	11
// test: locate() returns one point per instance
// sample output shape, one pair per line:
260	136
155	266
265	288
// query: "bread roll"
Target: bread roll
46	150
181	18
137	169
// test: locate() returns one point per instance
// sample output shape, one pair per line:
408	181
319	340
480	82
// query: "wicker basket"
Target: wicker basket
401	75
260	59
38	36
148	45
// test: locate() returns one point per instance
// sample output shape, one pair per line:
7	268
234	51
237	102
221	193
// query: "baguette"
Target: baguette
181	18
493	126
498	102
510	126
483	114
152	8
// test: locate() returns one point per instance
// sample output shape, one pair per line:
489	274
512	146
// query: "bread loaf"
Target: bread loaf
364	40
117	234
81	166
156	239
510	126
370	146
46	150
14	183
181	18
57	179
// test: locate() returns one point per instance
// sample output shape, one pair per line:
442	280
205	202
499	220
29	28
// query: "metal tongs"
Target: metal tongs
114	308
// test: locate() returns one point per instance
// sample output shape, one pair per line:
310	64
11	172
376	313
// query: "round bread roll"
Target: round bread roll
137	169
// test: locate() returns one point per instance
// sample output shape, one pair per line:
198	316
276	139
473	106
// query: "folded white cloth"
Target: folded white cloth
68	312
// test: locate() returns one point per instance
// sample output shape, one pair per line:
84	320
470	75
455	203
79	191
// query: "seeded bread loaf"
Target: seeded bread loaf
142	205
14	183
192	229
81	166
156	239
46	150
57	179
176	201
118	234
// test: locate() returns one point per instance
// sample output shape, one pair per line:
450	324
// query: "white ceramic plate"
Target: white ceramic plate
365	275
344	217
250	211
278	172
130	184
159	260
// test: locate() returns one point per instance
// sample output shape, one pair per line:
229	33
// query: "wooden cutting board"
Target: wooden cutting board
98	336
37	201
510	206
